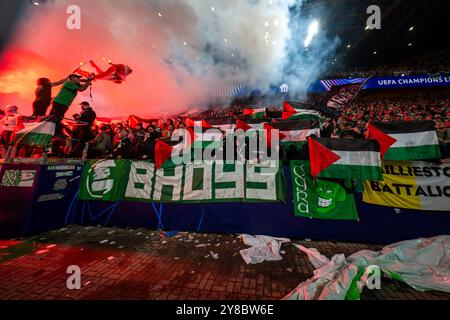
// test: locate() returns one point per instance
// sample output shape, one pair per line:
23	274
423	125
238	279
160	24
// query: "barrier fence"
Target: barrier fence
35	198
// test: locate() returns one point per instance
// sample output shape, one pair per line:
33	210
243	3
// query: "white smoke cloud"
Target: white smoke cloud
180	50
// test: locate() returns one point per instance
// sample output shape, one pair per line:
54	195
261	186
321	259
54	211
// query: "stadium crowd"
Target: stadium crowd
433	63
121	140
86	136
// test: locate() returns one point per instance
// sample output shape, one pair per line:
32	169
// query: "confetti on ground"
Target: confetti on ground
214	255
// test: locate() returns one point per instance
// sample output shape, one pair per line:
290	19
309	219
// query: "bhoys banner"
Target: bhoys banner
114	180
411	185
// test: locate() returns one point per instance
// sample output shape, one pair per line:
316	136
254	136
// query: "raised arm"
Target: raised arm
83	87
58	83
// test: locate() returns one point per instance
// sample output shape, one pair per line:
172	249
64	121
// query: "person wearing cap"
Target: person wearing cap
66	95
83	133
43	95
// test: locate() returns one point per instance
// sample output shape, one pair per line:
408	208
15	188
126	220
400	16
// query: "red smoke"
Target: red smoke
115	30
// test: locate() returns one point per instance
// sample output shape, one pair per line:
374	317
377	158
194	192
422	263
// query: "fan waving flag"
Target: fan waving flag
406	140
354	159
259	113
298	110
34	133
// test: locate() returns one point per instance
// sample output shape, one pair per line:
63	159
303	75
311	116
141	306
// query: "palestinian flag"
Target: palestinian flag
225	124
297	130
164	149
34	133
298	110
201	137
353	159
133	121
255	113
241	125
406	140
257	124
197	123
269	130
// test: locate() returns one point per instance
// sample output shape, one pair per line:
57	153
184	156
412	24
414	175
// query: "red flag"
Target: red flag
320	156
116	72
384	140
133	121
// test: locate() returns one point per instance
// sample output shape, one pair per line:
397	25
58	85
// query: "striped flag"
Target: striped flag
259	113
257	124
202	137
34	133
133	121
406	140
225	124
298	110
197	123
355	159
297	130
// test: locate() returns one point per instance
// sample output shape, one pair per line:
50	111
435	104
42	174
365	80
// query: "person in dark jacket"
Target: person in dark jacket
327	129
123	149
43	95
145	149
83	132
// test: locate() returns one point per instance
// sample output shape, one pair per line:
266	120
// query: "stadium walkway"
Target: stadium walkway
142	264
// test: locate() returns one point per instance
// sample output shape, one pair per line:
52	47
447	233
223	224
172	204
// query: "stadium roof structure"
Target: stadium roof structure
409	29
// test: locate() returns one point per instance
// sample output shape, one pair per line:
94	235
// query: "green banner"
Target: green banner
190	183
103	180
320	198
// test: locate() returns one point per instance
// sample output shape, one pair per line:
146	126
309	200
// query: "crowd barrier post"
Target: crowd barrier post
85	152
10	153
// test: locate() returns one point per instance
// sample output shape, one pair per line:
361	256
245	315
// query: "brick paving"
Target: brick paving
140	264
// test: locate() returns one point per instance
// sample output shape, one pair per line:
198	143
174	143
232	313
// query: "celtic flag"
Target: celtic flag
319	198
102	180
